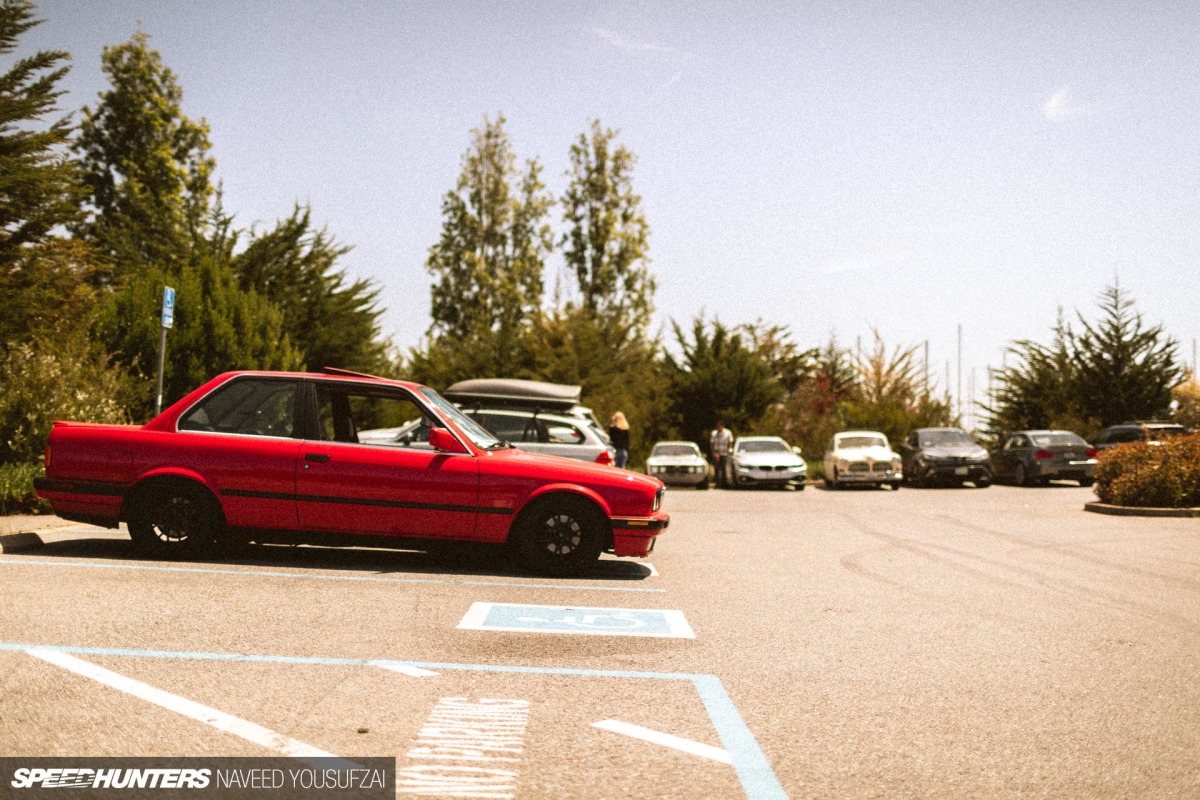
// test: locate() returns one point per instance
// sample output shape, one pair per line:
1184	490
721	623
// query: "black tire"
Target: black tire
1086	482
702	486
1020	476
896	485
559	536
983	483
175	519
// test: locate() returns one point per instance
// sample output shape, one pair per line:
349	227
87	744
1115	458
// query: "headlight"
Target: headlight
658	498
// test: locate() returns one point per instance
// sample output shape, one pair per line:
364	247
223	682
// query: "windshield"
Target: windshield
945	438
768	446
477	434
850	442
1051	439
676	450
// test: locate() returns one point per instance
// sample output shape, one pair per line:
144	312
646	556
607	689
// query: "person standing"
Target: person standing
618	432
719	444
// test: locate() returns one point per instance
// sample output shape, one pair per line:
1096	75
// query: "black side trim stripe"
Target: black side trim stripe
355	501
43	484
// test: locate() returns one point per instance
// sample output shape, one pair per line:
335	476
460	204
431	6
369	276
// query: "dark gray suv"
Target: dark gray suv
1136	432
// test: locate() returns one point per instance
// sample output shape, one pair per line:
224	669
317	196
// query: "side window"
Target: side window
507	427
1103	438
1128	435
364	416
247	406
559	433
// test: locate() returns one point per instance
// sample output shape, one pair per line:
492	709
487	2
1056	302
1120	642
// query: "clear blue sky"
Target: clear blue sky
906	166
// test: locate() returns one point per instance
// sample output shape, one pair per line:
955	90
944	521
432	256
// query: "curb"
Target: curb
18	542
1134	511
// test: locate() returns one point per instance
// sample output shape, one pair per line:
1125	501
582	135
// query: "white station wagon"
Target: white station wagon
861	457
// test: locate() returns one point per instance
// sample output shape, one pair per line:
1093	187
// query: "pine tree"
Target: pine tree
39	186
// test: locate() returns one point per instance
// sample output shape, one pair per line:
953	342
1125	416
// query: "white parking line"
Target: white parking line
209	716
666	740
404	669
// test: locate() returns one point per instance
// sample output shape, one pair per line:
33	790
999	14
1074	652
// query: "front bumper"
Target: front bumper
955	472
678	477
871	476
635	536
768	477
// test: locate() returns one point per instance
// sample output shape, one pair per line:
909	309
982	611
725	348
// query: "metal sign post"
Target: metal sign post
168	321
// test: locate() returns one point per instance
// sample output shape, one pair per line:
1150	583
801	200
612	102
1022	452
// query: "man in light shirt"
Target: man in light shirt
719	444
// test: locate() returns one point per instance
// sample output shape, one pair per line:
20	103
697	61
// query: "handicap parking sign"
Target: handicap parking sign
663	623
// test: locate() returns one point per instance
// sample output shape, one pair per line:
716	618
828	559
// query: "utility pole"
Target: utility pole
958	392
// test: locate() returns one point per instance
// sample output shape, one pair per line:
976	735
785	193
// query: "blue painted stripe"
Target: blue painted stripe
750	763
753	769
361	578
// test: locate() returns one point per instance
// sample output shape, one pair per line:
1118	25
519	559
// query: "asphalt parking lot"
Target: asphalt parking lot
860	643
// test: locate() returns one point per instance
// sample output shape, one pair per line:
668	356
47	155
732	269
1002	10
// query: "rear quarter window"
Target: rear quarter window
246	406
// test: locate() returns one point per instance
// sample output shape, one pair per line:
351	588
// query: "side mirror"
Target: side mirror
797	451
444	441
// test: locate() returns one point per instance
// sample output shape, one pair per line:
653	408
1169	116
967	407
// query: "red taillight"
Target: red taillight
604	458
1042	455
46	457
1091	453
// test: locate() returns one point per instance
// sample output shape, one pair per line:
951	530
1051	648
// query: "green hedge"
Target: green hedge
16	490
1149	475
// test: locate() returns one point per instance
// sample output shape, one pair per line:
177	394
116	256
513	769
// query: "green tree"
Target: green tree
330	319
146	164
489	260
607	237
1038	389
39	187
1124	369
890	394
718	375
218	327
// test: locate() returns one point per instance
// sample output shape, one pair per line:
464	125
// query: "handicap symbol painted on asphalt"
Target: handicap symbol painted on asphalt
663	623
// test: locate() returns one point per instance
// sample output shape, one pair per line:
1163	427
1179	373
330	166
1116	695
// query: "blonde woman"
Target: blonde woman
618	431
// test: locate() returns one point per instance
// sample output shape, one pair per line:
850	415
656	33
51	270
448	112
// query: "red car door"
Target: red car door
371	470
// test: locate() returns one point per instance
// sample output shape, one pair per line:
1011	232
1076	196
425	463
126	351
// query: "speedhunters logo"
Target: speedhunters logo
69	778
225	778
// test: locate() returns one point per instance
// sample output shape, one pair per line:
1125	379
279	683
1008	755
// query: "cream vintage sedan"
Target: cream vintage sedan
861	458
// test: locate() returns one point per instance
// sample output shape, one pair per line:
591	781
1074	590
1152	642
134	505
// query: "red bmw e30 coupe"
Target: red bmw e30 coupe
341	458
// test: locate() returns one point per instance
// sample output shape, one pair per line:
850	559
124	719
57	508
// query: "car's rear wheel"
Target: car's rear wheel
559	536
1021	476
174	518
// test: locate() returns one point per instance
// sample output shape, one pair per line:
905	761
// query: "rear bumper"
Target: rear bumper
95	502
1070	471
635	536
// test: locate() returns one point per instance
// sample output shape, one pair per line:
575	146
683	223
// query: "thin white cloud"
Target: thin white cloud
1061	106
620	42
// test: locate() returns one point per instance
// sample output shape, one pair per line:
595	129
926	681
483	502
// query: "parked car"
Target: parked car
1136	432
1029	458
766	461
535	416
678	464
271	456
944	456
548	434
861	458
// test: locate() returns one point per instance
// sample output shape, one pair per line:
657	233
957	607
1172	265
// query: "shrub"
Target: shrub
16	490
1165	475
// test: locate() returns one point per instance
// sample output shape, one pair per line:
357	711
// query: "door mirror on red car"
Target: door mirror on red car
443	440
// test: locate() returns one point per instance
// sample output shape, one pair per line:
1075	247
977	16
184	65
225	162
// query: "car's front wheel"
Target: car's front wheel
559	536
174	518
